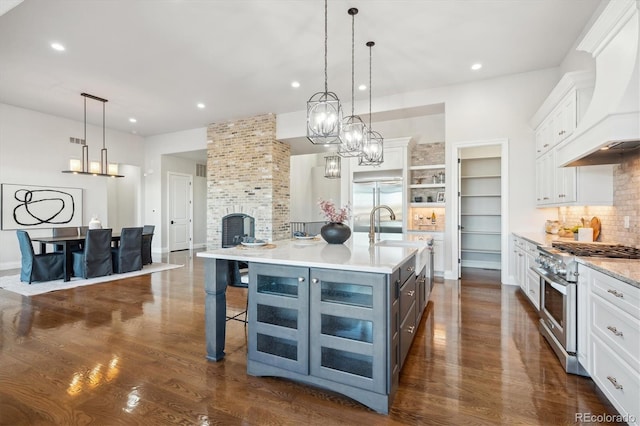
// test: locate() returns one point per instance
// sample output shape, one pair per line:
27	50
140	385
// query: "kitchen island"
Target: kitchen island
341	317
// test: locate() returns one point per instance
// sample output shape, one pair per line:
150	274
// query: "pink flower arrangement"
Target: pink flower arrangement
332	214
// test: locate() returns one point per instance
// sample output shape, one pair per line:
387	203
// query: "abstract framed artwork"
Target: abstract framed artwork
36	207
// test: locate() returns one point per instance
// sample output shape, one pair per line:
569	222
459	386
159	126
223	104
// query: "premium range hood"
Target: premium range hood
610	129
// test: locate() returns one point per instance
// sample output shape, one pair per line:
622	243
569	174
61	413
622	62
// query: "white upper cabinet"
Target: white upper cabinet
554	122
560	113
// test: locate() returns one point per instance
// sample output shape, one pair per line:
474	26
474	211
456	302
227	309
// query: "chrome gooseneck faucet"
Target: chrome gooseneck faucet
372	226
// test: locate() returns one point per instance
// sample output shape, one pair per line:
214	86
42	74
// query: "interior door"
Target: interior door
180	212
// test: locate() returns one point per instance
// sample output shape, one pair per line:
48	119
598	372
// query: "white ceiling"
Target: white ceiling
154	60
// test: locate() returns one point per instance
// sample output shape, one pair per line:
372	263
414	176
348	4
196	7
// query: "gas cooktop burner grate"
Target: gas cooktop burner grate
598	250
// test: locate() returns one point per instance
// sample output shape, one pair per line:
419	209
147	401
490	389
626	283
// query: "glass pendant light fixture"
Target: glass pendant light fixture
324	113
332	166
354	131
94	168
372	150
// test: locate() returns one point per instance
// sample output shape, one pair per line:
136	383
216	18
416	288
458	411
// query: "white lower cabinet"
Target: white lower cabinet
613	340
438	254
523	258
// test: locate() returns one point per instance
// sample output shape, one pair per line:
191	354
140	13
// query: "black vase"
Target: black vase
335	233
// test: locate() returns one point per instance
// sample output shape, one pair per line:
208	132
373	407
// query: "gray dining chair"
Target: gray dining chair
127	256
69	231
95	258
147	237
38	267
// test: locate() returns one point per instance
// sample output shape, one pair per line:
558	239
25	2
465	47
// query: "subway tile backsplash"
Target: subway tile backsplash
626	202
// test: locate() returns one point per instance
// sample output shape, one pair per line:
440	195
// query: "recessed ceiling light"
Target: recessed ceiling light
201	105
476	67
133	120
58	47
362	87
295	84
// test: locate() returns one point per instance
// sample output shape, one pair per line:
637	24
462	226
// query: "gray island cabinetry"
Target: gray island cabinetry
344	323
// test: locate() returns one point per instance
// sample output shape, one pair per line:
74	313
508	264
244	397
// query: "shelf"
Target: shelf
481	232
427	185
480	214
433	205
480	177
428	167
481	195
485	251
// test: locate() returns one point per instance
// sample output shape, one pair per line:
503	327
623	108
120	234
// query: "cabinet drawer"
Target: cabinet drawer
407	332
533	288
621	294
619	330
408	269
407	295
616	379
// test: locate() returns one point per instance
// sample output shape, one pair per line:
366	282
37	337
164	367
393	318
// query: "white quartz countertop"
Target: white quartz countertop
626	270
354	255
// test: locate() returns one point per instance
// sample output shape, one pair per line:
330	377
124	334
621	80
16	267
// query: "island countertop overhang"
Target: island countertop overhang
353	255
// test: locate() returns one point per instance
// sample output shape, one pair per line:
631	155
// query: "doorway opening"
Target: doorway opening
482	208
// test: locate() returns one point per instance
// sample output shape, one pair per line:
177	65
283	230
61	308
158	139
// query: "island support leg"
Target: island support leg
216	274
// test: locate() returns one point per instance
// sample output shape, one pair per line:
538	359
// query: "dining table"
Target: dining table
66	242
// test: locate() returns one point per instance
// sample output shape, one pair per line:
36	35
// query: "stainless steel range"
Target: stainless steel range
558	271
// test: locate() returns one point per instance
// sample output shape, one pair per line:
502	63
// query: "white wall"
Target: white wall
308	185
425	129
154	177
35	148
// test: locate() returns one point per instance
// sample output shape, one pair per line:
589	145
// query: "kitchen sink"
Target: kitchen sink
422	256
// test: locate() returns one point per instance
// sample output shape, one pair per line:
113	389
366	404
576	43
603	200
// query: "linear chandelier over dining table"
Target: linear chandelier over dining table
84	167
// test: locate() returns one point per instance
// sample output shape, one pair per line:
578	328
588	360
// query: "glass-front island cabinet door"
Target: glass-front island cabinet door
347	328
279	316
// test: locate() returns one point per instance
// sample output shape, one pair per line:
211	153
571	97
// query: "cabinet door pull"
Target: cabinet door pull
410	329
615	293
615	331
614	382
313	280
411	269
410	293
300	279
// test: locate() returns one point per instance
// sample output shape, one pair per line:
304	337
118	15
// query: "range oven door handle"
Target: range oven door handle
560	287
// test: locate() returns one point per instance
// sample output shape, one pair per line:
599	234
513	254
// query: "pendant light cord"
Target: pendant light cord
326	86
353	55
85	120
103	127
370	44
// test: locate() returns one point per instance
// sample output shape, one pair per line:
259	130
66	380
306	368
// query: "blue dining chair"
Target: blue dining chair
38	267
127	256
147	237
95	259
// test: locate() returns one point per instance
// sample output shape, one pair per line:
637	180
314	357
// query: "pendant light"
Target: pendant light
324	113
372	150
354	131
94	169
332	166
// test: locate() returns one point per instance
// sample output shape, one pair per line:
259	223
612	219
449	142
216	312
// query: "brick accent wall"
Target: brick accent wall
247	172
626	202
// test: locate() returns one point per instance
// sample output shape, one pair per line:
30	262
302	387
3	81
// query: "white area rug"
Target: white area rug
12	282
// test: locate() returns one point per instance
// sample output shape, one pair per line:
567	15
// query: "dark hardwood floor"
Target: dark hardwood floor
131	352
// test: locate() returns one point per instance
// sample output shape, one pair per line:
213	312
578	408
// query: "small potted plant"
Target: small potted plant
335	231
